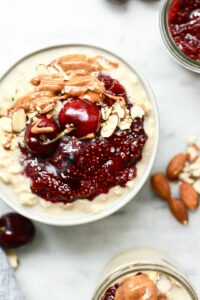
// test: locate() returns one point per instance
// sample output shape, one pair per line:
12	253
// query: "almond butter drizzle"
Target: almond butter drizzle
73	77
40	130
138	287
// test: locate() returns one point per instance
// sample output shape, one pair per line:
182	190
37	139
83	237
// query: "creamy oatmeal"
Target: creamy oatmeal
77	130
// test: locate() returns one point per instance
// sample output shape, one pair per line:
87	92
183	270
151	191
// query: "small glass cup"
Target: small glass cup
175	52
141	260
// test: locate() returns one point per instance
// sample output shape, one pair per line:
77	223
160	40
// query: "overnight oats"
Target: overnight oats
77	130
180	23
143	274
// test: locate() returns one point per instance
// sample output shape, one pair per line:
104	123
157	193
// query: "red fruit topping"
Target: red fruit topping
112	86
41	143
184	25
86	117
86	168
111	292
15	231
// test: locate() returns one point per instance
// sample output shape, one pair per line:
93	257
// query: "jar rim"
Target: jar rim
172	48
139	267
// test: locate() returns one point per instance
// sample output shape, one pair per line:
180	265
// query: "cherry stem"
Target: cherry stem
62	134
3	228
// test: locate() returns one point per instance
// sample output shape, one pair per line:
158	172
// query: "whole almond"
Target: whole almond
176	165
189	195
161	186
179	210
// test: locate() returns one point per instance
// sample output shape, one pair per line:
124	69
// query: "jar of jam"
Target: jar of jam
143	274
180	28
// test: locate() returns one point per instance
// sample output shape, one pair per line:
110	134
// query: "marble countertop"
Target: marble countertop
65	263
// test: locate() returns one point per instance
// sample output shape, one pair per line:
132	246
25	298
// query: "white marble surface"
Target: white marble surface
65	263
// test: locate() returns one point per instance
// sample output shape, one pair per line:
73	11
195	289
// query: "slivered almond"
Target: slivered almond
176	166
189	196
161	186
179	210
7	141
19	120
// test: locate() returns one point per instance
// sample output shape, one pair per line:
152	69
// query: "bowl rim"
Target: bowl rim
64	221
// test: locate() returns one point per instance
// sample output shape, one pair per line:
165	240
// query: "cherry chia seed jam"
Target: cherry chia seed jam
85	169
184	26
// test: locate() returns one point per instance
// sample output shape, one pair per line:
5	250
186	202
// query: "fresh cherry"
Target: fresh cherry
15	231
112	85
41	143
84	116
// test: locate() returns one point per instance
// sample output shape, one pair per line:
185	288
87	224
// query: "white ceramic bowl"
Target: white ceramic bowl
64	217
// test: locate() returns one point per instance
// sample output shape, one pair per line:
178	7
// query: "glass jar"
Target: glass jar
133	261
175	52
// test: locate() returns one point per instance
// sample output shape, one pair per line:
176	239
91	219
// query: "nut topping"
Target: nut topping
6	124
178	209
138	287
39	130
109	126
161	186
189	195
137	112
176	166
19	120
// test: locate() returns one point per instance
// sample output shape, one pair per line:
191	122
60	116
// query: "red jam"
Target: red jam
111	292
184	25
84	168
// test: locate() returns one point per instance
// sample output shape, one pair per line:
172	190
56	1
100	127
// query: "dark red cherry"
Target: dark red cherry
41	143
85	116
112	85
15	231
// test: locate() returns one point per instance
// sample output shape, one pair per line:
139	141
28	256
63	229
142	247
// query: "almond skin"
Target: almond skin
176	165
179	210
189	196
161	186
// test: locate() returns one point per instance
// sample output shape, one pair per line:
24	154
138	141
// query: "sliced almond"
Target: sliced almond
176	166
161	186
179	210
105	112
189	196
119	110
125	124
18	120
6	124
109	126
136	112
13	258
